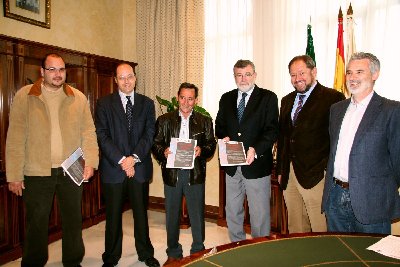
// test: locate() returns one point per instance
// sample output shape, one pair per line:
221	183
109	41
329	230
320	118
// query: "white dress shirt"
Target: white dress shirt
348	130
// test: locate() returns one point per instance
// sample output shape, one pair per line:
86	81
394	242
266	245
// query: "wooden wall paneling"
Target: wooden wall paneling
4	218
20	63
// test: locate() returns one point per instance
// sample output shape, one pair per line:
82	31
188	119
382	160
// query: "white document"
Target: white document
183	154
388	246
74	166
231	153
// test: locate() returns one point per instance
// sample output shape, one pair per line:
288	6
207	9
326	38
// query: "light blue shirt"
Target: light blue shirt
306	95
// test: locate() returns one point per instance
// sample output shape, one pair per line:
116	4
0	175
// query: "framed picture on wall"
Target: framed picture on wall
36	12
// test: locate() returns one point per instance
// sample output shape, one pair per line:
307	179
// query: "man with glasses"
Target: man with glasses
248	114
49	120
303	145
125	130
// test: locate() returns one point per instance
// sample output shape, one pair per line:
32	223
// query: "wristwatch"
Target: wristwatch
135	158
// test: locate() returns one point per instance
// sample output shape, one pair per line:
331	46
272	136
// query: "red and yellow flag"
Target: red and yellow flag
340	80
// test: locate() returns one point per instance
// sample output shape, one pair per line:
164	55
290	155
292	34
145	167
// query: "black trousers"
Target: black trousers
115	196
38	199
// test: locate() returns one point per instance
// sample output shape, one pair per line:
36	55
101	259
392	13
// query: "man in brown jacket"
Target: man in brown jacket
303	145
49	120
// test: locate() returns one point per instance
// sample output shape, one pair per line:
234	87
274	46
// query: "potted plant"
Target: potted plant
173	104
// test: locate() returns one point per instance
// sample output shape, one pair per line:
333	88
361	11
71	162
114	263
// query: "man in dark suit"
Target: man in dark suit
363	174
187	124
248	114
303	145
125	129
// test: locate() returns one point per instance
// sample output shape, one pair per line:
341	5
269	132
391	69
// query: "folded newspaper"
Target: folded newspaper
74	166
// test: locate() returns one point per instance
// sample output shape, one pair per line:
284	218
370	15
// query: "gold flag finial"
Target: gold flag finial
340	16
350	10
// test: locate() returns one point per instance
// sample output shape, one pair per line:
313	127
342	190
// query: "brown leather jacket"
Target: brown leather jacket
200	128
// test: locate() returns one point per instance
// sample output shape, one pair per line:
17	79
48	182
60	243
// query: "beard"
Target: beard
308	87
245	88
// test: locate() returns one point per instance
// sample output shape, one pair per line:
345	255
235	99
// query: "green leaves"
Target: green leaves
173	104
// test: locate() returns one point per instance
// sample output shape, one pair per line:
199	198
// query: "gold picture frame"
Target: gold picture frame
36	12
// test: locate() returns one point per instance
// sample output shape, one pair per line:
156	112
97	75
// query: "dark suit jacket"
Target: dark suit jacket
374	161
115	142
258	128
305	144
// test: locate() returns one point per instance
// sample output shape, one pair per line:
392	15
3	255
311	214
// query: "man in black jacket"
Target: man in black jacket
248	114
187	124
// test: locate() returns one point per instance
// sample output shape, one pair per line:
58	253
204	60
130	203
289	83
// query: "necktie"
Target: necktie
129	112
299	106
242	105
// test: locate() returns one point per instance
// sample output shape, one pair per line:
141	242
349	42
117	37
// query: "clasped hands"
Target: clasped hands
128	165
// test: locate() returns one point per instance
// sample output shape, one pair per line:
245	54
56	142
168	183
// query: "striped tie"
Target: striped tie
299	106
242	105
129	112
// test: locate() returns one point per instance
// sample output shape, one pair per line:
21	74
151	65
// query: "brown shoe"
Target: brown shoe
171	260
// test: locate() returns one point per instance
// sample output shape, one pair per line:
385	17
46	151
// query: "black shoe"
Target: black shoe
152	262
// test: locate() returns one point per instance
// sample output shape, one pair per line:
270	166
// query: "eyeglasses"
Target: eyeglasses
123	78
54	70
240	75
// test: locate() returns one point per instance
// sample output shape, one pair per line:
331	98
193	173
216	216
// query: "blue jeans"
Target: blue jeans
340	216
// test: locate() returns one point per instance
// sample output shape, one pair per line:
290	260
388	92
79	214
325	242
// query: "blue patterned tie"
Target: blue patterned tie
242	105
129	112
299	106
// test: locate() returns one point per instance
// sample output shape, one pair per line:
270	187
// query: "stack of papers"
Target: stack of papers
388	246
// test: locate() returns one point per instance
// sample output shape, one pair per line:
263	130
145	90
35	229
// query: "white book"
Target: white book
231	153
74	166
182	156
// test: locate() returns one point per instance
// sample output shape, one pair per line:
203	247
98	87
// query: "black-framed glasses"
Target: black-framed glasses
54	70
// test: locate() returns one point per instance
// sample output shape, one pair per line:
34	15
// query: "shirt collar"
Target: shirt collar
363	102
182	117
248	92
123	96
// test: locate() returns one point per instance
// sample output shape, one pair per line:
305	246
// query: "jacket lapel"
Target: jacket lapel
251	104
118	109
336	124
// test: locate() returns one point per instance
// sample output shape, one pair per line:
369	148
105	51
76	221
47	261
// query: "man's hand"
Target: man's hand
197	151
279	178
130	172
16	187
127	163
226	139
88	172
167	152
251	154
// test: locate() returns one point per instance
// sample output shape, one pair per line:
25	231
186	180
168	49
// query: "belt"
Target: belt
340	183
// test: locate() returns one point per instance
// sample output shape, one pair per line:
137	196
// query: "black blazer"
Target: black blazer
258	128
115	142
305	144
